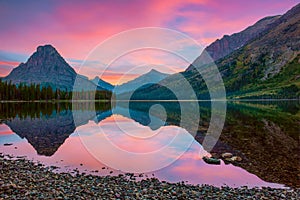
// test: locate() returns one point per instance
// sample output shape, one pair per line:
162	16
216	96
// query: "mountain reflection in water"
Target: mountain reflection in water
47	132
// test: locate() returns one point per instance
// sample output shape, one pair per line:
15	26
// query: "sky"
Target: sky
76	27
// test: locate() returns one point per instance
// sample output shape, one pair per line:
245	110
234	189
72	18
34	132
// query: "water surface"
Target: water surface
262	133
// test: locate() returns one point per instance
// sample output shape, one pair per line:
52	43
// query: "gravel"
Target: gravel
24	179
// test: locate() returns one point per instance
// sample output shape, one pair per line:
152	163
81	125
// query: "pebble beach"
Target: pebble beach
24	179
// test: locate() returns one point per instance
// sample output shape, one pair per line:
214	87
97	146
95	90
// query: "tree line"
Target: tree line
32	92
22	110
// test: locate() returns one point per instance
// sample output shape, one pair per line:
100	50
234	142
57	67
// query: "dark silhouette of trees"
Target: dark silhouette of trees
32	92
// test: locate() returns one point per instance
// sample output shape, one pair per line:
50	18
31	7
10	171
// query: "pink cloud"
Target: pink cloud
6	66
76	27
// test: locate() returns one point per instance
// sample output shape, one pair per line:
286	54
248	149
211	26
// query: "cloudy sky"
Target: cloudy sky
74	27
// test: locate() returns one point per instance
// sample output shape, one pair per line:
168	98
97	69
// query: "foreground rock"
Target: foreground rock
22	179
227	155
211	160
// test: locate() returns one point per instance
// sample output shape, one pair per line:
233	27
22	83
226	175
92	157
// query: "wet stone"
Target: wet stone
23	179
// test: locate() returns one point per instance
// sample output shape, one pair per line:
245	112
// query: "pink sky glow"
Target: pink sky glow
74	28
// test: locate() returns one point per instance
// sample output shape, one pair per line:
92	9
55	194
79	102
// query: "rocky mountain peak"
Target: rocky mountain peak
45	56
46	67
46	48
153	71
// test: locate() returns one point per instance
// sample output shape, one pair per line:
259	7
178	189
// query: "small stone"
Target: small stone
226	155
33	182
236	158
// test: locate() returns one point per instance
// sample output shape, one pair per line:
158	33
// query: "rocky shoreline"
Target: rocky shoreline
24	179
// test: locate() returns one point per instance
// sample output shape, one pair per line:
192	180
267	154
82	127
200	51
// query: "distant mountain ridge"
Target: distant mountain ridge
153	76
48	68
101	83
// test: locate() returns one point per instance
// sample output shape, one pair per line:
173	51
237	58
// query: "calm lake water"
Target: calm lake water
105	139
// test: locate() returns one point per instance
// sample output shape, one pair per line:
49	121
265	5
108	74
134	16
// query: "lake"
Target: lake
104	138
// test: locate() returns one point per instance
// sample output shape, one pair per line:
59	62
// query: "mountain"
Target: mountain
48	68
269	65
265	66
152	76
103	84
226	45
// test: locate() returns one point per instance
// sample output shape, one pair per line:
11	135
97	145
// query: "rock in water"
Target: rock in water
212	161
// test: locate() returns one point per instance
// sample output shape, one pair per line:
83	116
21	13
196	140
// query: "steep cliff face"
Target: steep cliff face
226	45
